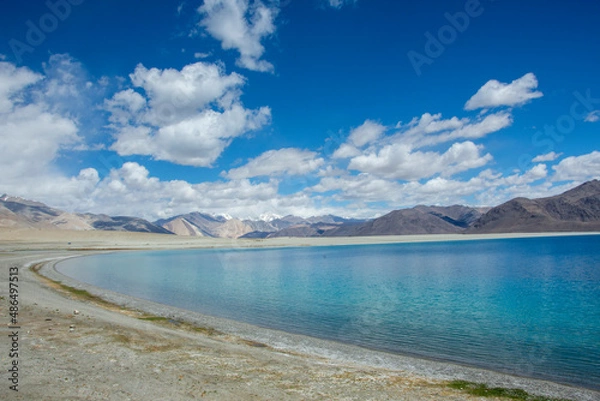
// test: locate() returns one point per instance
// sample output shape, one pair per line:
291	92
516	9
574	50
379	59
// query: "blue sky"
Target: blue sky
254	108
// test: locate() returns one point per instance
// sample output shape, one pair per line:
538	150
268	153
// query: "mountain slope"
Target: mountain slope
418	220
575	210
200	224
123	223
205	225
22	213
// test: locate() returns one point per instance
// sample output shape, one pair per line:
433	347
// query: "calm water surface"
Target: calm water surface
523	306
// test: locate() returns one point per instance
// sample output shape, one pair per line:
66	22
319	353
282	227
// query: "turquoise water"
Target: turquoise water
529	307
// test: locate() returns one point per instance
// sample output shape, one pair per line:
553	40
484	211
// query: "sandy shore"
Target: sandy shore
109	353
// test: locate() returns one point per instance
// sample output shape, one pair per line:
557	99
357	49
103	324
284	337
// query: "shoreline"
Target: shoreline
28	239
317	347
258	342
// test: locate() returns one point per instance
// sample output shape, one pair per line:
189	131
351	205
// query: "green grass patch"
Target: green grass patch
84	295
154	318
482	390
77	293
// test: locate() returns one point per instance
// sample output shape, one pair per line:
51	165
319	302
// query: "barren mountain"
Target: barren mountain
181	226
22	213
418	220
17	212
204	225
200	224
574	210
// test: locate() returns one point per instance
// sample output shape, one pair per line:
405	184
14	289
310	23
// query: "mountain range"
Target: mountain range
575	210
22	213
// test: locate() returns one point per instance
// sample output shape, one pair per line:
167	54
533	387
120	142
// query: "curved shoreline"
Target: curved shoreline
102	353
336	352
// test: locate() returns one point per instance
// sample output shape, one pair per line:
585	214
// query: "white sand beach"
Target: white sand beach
74	348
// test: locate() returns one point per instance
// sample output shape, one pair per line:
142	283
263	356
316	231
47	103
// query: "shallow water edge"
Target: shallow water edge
334	351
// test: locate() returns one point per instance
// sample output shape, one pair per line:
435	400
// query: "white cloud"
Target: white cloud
288	161
486	189
368	132
548	157
176	94
593	117
361	188
578	168
400	162
536	173
132	190
242	26
186	117
346	151
200	55
496	94
432	129
339	3
33	136
12	81
124	106
398	156
31	139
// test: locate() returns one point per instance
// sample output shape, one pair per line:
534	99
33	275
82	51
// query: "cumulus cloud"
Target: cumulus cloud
400	162
431	129
33	136
496	94
186	117
132	190
12	82
289	161
548	157
241	25
368	132
578	168
398	156
31	133
486	188
174	94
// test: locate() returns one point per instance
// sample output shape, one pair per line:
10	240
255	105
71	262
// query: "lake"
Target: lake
527	306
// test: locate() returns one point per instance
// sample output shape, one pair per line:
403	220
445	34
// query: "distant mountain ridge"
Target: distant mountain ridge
22	213
205	225
418	220
575	210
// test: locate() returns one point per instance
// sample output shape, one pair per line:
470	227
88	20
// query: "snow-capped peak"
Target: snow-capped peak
226	216
269	217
